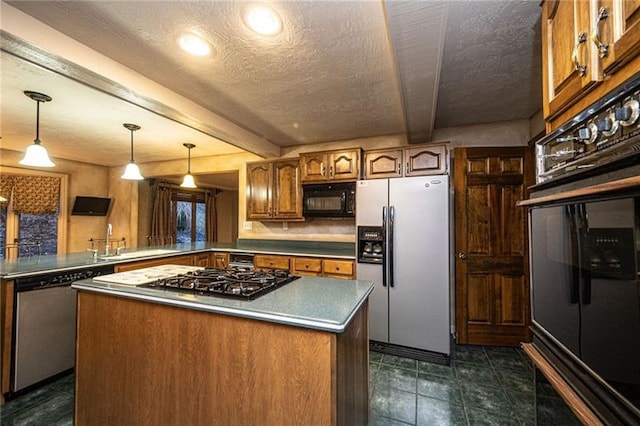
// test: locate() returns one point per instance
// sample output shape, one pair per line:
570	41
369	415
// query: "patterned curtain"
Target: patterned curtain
161	219
36	194
6	184
210	206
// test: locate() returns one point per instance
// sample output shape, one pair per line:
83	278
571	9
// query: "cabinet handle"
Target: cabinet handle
582	69
603	49
323	170
330	171
407	169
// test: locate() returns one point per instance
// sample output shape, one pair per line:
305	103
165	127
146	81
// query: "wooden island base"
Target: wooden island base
149	364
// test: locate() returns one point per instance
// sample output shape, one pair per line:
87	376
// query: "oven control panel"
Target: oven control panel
602	134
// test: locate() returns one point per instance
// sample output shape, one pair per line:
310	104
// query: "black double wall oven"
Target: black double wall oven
584	235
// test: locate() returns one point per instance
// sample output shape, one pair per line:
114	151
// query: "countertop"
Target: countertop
34	265
325	304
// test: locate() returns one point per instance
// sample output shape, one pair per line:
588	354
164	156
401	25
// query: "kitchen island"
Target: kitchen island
297	355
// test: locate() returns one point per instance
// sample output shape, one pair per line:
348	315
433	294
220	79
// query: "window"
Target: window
189	210
24	234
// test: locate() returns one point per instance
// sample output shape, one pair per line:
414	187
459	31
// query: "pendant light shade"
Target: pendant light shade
36	155
188	182
132	172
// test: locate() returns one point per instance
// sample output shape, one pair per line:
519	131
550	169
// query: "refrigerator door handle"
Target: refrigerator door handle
392	211
384	254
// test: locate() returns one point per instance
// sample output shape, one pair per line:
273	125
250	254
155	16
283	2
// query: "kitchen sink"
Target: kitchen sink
140	253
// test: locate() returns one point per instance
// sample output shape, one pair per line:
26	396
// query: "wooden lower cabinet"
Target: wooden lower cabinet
220	260
336	268
268	261
202	259
306	266
149	364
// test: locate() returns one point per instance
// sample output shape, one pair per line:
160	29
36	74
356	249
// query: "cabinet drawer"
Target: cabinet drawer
338	268
307	264
262	261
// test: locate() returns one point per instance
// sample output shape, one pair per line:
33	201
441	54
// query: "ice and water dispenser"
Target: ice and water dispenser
370	244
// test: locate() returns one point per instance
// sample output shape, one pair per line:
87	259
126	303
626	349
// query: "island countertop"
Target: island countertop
325	304
26	266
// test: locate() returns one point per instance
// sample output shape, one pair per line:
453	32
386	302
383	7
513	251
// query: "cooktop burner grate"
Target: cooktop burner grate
233	282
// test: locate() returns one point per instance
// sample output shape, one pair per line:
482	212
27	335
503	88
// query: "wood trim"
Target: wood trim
6	338
598	189
573	400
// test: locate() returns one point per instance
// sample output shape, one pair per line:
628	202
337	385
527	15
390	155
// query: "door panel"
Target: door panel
492	289
419	299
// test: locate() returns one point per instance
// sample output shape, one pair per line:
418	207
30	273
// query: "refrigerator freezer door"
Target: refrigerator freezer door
371	198
419	300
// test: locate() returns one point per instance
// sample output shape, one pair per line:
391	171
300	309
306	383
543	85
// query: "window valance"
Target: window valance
31	194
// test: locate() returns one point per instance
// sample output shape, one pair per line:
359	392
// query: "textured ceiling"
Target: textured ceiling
339	70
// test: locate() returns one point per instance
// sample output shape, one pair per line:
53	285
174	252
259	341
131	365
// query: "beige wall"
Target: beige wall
84	179
227	214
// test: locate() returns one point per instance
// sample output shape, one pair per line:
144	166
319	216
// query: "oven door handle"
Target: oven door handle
574	267
585	263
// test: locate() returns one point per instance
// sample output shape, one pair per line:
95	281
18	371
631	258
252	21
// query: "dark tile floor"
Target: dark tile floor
483	386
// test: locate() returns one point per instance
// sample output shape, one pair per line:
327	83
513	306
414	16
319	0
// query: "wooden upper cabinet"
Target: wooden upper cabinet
569	57
383	163
259	190
617	32
274	191
419	160
338	166
426	160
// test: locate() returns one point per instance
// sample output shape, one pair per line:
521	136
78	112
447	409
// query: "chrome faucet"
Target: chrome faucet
108	243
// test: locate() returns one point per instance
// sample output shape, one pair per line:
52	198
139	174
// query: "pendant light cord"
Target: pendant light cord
131	146
189	163
37	140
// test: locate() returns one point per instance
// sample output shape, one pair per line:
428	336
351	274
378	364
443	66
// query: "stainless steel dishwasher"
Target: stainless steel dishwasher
44	332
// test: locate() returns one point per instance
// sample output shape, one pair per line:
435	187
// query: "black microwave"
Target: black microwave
329	200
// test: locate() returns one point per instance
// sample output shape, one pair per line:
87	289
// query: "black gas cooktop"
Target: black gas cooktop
233	282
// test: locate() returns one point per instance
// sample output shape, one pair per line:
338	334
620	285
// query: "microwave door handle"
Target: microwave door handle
574	268
391	225
384	246
585	262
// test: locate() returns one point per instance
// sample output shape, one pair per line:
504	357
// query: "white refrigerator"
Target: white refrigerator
409	306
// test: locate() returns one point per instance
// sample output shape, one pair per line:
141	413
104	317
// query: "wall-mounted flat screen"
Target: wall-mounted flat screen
91	206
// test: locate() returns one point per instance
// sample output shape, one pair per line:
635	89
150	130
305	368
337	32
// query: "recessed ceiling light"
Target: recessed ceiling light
263	20
195	45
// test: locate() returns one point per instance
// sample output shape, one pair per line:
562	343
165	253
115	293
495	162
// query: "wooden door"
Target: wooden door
313	167
618	31
492	285
344	165
259	184
425	160
287	192
570	66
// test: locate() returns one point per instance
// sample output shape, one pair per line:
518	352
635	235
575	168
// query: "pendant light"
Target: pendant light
132	172
188	182
36	154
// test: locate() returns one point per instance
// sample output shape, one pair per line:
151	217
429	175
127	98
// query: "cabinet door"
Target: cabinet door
429	160
202	259
267	261
335	268
287	198
313	167
259	184
569	61
307	266
383	164
617	32
220	260
344	165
